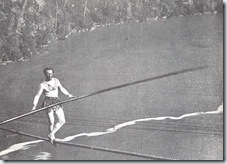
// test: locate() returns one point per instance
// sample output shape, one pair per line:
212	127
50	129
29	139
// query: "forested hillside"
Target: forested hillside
28	25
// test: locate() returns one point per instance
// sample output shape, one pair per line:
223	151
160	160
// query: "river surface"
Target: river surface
133	118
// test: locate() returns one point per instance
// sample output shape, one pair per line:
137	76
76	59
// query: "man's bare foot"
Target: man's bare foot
51	138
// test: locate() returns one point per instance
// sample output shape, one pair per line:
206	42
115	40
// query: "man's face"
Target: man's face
49	74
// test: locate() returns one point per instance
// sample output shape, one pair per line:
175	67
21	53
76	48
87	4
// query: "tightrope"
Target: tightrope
93	147
102	91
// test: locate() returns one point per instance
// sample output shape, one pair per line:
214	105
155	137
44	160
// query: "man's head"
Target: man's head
48	72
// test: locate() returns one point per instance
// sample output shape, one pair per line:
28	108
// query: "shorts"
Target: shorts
52	100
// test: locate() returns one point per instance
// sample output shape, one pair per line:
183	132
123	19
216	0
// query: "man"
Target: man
49	88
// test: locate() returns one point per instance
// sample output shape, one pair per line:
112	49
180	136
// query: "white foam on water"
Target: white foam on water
43	156
19	146
129	123
220	108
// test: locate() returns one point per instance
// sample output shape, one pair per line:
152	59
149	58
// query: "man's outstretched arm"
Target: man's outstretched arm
37	96
64	91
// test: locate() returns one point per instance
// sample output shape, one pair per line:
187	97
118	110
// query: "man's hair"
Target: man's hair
47	68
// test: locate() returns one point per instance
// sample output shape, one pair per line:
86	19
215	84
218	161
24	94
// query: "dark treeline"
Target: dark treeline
28	25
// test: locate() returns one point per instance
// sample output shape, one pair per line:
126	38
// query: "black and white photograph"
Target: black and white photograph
112	80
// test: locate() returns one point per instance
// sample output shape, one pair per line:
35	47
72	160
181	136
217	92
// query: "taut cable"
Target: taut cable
92	147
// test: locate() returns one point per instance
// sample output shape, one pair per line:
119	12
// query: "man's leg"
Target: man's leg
61	121
51	120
